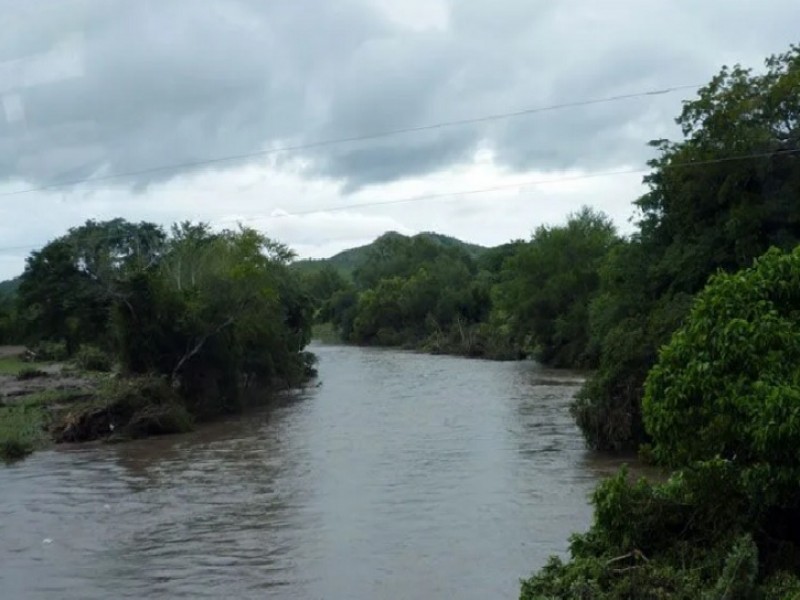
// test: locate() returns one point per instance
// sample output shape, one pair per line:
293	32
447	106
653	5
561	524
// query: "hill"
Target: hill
8	289
349	260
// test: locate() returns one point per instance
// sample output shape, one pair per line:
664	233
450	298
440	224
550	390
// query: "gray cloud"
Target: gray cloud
98	88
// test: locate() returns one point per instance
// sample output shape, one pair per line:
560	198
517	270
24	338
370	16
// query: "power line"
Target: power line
358	138
469	192
498	188
508	186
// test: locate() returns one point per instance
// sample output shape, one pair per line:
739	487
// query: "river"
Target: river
401	476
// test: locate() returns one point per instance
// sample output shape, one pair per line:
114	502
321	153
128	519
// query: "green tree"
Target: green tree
11	330
217	311
722	406
68	287
549	283
322	283
716	200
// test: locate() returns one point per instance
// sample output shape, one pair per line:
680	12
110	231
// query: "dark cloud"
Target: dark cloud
100	88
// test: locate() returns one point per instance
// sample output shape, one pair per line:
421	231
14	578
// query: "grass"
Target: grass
29	372
22	429
24	424
12	365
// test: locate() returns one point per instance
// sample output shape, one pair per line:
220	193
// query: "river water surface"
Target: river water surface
402	476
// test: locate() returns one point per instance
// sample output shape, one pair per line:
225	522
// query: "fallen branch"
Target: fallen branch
198	346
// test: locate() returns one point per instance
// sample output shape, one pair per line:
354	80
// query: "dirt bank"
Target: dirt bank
55	377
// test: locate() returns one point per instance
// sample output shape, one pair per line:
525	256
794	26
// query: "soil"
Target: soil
57	379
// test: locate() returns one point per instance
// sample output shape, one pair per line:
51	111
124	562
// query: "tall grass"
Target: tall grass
22	429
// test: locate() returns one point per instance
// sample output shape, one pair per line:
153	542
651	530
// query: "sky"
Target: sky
165	110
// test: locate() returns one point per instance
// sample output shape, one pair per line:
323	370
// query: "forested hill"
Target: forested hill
9	288
347	261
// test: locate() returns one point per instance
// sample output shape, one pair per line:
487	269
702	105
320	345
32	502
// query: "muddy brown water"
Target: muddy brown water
402	476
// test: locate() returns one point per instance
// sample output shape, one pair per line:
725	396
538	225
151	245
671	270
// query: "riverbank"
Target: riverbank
45	403
32	394
464	345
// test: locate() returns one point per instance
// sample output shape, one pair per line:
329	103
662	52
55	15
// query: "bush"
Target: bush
27	373
91	358
47	352
728	384
21	430
685	538
723	405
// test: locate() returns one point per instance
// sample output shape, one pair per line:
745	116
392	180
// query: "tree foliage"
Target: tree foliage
727	384
716	360
548	284
509	301
717	199
722	406
424	291
211	312
68	287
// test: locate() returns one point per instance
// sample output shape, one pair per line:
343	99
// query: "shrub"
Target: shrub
723	405
27	373
48	351
678	539
727	384
91	358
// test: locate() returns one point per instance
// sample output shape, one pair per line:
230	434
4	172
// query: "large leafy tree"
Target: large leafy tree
549	283
68	286
717	199
217	310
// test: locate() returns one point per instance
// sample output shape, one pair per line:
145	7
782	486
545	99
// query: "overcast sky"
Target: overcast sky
102	88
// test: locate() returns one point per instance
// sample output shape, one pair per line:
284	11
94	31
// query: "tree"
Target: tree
324	283
217	310
548	284
717	200
67	289
722	405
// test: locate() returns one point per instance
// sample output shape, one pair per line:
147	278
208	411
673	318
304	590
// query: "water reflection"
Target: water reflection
402	476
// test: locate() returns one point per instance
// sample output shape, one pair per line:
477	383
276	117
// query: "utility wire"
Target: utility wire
358	138
509	186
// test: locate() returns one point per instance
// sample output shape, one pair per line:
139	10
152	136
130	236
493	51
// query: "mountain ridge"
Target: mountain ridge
350	259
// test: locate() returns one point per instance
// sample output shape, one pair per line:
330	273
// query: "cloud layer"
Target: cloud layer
98	88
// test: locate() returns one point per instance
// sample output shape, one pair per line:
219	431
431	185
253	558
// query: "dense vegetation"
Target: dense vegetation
721	406
702	369
436	294
191	318
717	200
9	323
